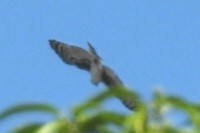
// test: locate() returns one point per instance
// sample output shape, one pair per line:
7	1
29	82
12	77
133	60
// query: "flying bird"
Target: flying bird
90	61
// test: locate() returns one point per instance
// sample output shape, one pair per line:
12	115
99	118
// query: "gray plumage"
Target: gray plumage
110	79
73	55
90	61
79	57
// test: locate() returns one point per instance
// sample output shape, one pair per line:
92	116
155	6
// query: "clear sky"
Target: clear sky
148	44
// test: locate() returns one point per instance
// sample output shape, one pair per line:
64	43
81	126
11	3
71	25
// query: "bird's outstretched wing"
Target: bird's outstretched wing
79	57
72	55
90	61
110	79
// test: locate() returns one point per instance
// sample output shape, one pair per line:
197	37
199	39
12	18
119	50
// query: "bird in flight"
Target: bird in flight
90	61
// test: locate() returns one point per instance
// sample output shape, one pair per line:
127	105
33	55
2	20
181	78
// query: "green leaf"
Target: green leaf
92	123
60	126
137	122
92	103
178	103
32	107
29	128
191	109
96	101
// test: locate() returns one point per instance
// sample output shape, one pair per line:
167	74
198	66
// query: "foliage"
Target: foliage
90	117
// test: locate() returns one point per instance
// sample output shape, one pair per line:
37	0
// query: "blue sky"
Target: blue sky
148	43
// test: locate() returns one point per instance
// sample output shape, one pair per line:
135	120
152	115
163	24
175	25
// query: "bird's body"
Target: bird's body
91	62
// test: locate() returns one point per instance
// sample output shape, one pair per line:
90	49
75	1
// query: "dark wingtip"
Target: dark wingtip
54	44
92	50
89	44
129	104
52	41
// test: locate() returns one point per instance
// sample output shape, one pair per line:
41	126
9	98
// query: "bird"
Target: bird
90	61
